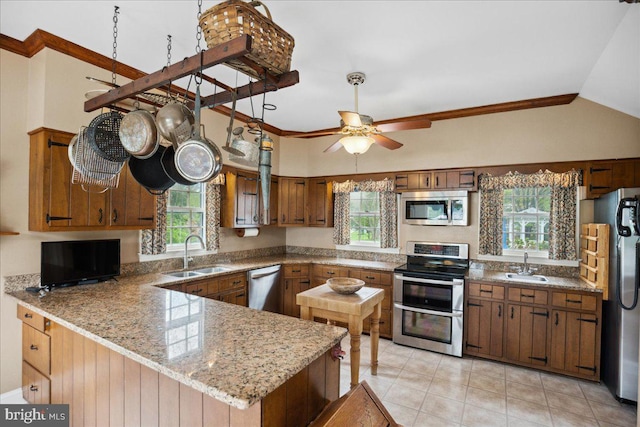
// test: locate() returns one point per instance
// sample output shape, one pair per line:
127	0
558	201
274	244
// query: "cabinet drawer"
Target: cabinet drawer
386	302
35	386
177	287
483	290
385	323
232	282
531	296
328	271
576	301
296	271
370	277
199	288
32	318
36	349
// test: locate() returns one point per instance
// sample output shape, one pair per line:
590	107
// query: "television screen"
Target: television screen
79	261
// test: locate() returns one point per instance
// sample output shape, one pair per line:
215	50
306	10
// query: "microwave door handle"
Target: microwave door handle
450	210
432	312
456	282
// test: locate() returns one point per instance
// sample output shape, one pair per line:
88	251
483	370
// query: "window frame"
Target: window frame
375	214
537	253
194	243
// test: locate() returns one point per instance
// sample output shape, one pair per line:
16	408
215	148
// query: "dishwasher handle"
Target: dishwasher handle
260	276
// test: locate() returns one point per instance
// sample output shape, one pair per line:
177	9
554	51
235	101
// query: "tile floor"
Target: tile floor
421	388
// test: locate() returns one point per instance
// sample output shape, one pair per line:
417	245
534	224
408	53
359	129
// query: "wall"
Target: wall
582	130
48	91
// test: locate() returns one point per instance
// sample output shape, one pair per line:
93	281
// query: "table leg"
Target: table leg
305	312
355	332
375	337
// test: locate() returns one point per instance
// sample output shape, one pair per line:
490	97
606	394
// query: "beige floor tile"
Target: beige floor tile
567	419
405	396
453	374
598	393
494	384
398	350
560	384
620	415
443	407
452	362
491	369
424	366
448	389
528	411
519	422
387	372
523	376
428	420
574	404
413	380
401	414
474	416
391	359
487	400
526	392
427	356
379	385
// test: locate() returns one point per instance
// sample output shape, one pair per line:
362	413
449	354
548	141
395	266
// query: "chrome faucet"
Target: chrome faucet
526	271
185	264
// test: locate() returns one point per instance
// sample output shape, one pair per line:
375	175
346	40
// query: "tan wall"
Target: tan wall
48	90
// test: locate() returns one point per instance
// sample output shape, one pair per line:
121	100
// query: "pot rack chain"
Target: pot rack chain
114	55
198	29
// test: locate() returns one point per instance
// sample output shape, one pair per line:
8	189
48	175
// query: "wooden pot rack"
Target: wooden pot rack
237	49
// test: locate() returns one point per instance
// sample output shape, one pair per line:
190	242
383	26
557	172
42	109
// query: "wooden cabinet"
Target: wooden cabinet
322	272
295	280
55	204
272	214
240	200
320	198
36	357
553	329
231	288
437	180
602	177
292	201
380	280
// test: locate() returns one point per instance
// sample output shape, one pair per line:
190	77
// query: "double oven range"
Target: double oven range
428	294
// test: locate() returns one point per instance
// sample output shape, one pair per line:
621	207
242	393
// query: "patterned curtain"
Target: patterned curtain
214	202
154	242
388	210
562	215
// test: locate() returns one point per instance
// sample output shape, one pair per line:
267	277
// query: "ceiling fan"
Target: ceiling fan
359	131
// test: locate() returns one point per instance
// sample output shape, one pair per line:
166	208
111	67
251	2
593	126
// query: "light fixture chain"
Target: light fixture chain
198	29
168	50
114	55
355	89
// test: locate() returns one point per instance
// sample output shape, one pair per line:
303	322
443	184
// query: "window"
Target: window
525	220
185	214
184	324
364	218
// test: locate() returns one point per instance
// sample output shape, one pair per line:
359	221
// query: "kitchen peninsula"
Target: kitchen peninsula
141	354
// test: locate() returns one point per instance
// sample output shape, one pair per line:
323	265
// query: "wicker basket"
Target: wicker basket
271	47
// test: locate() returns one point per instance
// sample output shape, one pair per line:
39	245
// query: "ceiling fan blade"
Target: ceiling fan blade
334	147
386	142
403	125
350	118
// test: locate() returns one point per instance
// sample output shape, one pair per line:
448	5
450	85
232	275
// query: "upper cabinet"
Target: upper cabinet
437	180
240	200
320	196
55	204
602	177
292	201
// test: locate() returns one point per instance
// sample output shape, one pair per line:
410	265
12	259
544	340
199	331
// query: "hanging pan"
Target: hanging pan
169	166
138	134
198	159
102	135
150	174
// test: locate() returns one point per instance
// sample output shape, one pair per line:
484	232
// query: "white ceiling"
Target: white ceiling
419	56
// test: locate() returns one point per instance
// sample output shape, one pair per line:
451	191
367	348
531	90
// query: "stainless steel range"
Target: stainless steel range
428	293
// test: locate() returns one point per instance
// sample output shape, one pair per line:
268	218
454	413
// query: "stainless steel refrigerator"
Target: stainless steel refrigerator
621	317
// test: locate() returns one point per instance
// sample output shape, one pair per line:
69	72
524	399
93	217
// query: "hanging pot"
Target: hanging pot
249	149
169	166
198	159
139	134
175	122
150	174
102	135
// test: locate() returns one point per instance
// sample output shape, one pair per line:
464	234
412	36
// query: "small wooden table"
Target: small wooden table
352	309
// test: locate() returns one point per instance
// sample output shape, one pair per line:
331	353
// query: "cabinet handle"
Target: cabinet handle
580	319
369	277
592	169
574	301
115	216
299	220
296	271
471	304
598	187
526	296
512	312
321	182
51	143
146	218
34	347
306	282
283	218
57	218
196	291
437	181
537	313
250	194
100	212
499	311
237	282
588	368
542	359
486	291
240	295
33	388
28	316
557	319
331	272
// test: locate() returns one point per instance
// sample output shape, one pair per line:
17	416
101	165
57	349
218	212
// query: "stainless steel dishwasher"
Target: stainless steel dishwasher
265	292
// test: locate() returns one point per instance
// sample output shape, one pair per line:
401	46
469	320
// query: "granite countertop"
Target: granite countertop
554	282
235	354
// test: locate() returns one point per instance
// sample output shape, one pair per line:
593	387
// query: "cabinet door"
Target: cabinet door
58	194
485	323
467	179
527	334
272	214
419	180
573	342
320	202
292	201
439	180
246	200
293	287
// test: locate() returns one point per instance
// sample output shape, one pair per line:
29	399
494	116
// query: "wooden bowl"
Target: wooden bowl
345	285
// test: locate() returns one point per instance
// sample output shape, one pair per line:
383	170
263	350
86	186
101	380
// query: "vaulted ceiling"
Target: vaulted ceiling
419	57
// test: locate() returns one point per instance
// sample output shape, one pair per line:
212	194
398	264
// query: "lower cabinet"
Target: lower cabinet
557	331
36	357
231	288
295	280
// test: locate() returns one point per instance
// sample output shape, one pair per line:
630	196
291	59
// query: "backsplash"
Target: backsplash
334	253
545	270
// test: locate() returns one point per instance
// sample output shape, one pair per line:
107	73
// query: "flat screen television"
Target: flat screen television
77	262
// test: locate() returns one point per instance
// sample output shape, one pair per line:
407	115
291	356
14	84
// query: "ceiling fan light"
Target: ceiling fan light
356	144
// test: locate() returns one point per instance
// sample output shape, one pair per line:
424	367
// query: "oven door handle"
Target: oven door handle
455	282
432	312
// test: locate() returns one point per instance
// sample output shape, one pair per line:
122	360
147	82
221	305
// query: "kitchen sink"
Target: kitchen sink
521	278
210	270
183	274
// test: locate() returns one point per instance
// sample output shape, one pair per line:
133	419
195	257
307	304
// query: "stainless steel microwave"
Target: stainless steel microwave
435	208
